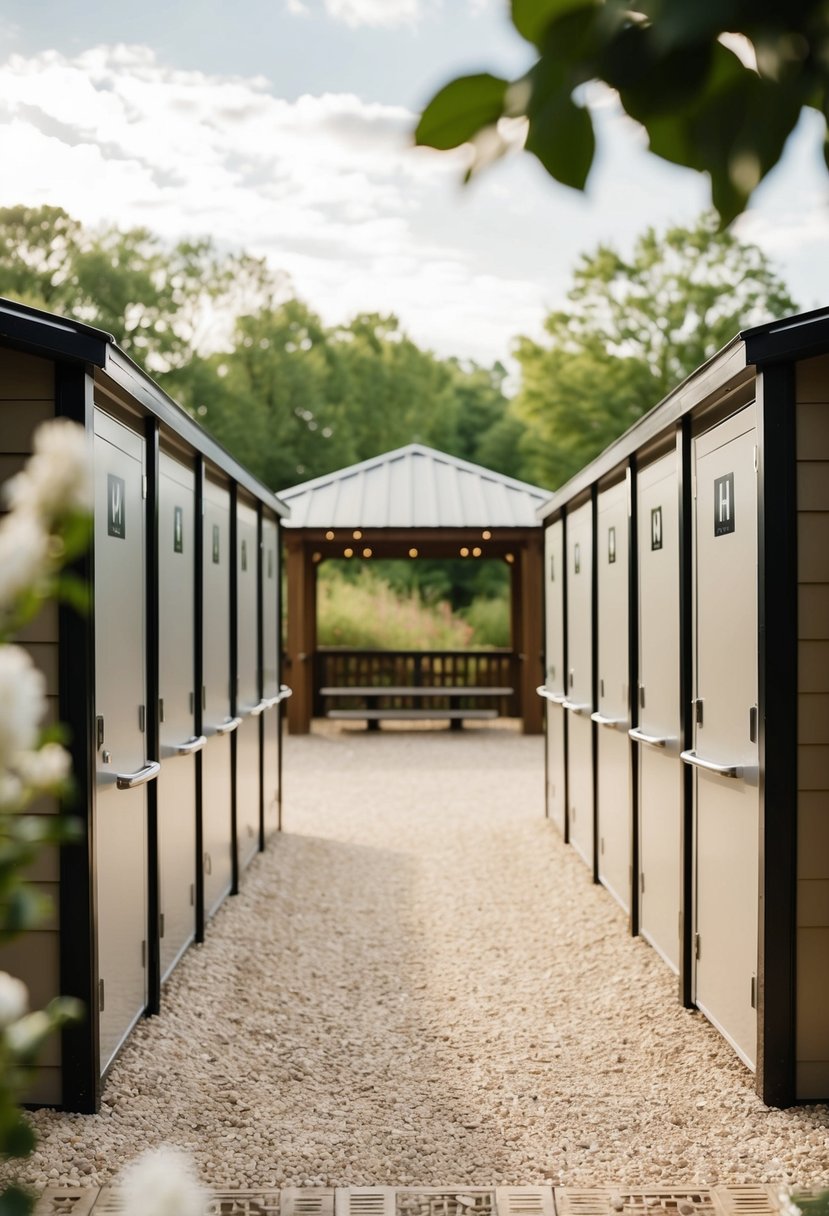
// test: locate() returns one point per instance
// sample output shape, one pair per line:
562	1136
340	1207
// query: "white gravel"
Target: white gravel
420	985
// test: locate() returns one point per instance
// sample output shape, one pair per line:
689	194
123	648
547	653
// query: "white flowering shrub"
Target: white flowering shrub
47	526
162	1182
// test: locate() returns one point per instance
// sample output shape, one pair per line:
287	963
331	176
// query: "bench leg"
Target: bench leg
373	724
456	723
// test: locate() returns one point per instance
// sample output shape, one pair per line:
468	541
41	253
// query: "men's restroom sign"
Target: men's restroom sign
116	506
724	505
656	528
178	529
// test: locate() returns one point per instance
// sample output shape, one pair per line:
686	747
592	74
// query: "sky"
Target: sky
284	127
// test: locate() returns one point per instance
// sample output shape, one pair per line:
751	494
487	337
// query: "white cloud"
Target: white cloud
385	13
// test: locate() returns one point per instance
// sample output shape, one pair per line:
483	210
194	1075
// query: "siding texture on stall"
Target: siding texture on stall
27	398
813	728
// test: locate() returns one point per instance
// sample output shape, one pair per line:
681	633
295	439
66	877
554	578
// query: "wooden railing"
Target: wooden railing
420	669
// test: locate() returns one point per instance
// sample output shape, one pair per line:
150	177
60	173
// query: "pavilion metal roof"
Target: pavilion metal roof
414	487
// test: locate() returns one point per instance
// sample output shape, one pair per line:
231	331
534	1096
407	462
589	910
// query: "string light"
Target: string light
357	534
317	557
508	557
464	552
367	552
413	553
486	534
348	552
329	535
476	552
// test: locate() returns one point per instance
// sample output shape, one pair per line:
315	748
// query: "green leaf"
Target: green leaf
74	591
532	18
560	132
18	1138
460	110
14	1201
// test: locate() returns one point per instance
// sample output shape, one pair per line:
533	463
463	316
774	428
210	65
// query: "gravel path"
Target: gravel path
420	985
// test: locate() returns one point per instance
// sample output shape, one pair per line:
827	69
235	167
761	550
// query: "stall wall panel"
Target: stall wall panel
812	992
177	782
216	774
555	673
727	810
120	701
660	770
580	680
612	794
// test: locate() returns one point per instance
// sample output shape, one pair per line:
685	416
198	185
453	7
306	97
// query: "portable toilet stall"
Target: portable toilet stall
718	622
146	684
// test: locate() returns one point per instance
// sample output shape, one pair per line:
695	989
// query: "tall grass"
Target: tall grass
366	613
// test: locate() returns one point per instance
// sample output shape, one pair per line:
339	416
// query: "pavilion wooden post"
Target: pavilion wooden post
301	634
531	634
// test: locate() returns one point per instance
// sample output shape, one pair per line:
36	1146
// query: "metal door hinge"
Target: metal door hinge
752	724
192	895
601	845
696	945
754	992
99	731
641	696
141	717
144	953
756	458
601	687
101	996
693	483
161	924
161	709
144	486
642	882
698	711
192	703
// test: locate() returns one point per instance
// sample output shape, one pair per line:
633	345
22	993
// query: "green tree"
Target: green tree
700	103
634	329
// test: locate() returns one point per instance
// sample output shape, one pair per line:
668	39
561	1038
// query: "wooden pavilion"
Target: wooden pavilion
415	503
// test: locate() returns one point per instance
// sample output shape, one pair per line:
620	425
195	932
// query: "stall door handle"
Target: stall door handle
651	740
192	745
555	698
611	723
228	726
581	710
256	710
130	781
722	770
284	693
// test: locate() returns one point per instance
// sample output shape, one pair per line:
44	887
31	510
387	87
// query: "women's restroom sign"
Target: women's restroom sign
724	505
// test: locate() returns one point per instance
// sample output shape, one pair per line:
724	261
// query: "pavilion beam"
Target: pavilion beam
301	634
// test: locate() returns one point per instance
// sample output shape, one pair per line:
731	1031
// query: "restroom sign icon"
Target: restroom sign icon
656	528
724	505
116	507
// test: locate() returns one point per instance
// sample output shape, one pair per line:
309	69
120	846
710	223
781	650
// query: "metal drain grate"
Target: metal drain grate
608	1200
307	1201
66	1201
524	1201
746	1200
364	1201
466	1201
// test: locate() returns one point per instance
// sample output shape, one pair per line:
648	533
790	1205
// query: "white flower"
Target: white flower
14	998
22	704
11	792
45	768
24	555
162	1182
57	480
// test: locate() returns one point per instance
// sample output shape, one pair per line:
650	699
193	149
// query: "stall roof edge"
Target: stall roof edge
798	336
46	334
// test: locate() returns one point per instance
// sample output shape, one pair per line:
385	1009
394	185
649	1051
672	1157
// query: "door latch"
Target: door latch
752	724
698	711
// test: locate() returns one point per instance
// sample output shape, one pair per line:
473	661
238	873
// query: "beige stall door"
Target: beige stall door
120	814
726	795
555	674
612	716
660	769
579	703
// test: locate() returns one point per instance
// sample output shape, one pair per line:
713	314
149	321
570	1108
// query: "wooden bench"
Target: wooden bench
373	715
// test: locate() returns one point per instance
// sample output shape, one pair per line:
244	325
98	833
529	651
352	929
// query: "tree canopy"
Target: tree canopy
676	72
634	328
